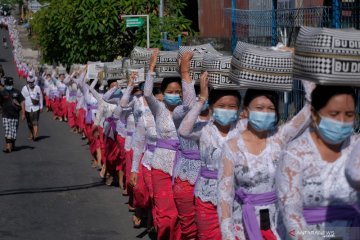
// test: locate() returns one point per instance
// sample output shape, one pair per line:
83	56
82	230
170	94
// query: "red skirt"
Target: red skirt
47	101
71	114
166	218
121	163
102	144
81	119
207	220
128	164
55	106
149	187
112	152
63	107
185	204
141	194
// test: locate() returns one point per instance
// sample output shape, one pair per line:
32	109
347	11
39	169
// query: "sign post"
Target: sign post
137	21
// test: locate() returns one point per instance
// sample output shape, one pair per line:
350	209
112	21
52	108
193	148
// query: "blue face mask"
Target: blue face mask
206	106
225	116
117	94
334	132
172	99
262	121
9	88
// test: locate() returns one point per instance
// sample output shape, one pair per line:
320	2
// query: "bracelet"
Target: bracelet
202	99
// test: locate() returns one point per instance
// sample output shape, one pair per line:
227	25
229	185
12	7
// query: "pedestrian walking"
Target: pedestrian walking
12	102
33	105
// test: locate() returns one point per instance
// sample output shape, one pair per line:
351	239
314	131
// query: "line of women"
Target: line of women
197	170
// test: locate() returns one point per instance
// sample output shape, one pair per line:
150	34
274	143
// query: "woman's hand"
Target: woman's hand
204	87
133	179
153	60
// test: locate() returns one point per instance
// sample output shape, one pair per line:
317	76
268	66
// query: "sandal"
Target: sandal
136	222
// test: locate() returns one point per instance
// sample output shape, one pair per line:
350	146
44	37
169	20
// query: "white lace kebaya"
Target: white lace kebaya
305	180
163	159
144	140
211	145
255	174
352	169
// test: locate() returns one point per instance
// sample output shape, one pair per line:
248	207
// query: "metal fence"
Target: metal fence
271	26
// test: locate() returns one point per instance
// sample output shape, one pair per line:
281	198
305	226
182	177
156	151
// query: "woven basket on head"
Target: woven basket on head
218	68
328	56
114	70
196	64
261	67
166	65
140	55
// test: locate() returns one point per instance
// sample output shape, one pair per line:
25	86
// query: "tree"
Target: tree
77	31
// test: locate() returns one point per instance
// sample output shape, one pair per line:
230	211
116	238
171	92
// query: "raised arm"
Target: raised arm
289	191
299	122
226	191
186	129
188	90
153	103
352	168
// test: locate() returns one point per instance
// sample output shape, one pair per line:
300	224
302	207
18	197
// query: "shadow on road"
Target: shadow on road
2	60
38	139
50	189
19	148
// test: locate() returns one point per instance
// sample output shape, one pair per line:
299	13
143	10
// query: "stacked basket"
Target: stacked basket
328	56
113	70
218	68
196	64
166	65
261	67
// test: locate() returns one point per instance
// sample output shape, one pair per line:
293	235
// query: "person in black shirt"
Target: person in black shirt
12	103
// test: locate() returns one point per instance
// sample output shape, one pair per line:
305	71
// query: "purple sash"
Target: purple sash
90	108
207	173
170	144
193	154
248	201
315	215
111	127
72	93
129	134
150	147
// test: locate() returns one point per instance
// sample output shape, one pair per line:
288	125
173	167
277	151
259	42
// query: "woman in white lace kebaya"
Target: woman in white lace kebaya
186	172
247	198
315	198
144	143
224	106
167	146
352	168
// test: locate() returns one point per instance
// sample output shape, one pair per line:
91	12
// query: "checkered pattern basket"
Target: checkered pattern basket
114	70
196	64
328	56
140	55
166	65
218	68
261	67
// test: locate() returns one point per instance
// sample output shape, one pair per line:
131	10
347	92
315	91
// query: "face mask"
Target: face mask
334	132
262	121
206	106
172	99
225	116
117	94
9	88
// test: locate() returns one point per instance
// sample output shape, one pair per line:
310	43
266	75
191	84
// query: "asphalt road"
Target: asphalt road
48	189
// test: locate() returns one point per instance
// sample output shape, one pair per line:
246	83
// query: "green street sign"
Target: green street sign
134	22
